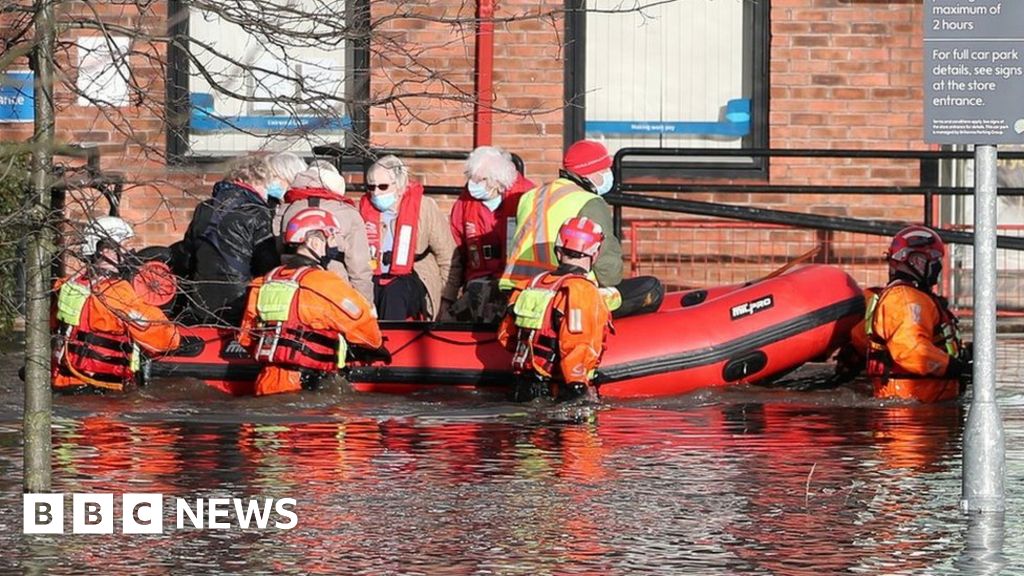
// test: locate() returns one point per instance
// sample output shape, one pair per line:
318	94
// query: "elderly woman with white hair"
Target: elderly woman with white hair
284	166
412	254
483	221
321	186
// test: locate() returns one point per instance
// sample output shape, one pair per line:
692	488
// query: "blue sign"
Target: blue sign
16	101
204	120
736	124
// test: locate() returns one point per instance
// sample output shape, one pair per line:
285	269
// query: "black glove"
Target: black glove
369	355
849	364
967	353
955	368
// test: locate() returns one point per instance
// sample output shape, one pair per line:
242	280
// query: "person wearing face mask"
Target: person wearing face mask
300	317
284	167
412	254
321	186
585	178
229	241
102	324
914	349
482	221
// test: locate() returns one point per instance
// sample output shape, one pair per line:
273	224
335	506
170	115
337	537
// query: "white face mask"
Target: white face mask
478	190
492	203
606	183
385	201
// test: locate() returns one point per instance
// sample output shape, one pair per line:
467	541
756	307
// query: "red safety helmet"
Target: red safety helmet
918	251
309	220
580	235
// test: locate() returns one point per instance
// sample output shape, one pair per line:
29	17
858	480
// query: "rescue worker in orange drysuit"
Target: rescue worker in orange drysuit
299	318
102	323
557	322
913	346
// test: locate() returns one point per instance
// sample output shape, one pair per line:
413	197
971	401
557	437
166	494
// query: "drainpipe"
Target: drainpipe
483	121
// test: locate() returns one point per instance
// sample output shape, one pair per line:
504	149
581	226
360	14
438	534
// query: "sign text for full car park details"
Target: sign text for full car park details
974	71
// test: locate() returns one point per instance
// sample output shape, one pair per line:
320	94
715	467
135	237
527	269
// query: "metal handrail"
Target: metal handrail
624	194
807	153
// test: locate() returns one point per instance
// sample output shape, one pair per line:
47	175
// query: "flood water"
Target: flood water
738	481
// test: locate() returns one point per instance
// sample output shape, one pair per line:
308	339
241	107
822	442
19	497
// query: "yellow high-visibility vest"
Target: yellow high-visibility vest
542	211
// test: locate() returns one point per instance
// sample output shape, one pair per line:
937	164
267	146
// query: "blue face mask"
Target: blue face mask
606	184
384	202
275	190
492	203
478	190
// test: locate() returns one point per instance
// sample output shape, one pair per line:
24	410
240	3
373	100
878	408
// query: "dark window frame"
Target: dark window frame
357	87
757	18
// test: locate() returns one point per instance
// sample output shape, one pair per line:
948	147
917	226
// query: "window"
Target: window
259	75
685	74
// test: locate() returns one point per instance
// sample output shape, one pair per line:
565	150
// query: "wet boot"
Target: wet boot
311	379
576	393
528	389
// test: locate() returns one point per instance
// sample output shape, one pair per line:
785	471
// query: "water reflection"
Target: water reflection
743	481
983	545
775	488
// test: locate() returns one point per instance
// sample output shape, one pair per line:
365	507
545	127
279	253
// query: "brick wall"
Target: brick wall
844	74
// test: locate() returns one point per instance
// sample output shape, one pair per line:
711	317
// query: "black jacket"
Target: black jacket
229	241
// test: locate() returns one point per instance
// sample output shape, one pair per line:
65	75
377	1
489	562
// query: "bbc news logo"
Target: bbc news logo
144	513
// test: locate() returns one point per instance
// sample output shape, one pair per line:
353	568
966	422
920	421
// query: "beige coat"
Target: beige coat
441	270
351	241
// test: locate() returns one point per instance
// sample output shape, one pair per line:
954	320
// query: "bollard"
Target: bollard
984	453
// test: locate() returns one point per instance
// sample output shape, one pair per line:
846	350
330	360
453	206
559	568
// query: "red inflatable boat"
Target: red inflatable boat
699	338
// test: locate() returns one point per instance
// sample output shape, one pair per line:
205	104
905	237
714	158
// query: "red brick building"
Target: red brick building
817	74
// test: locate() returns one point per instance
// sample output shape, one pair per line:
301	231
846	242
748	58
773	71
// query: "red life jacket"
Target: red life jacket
485	234
290	344
403	254
101	359
537	349
880	364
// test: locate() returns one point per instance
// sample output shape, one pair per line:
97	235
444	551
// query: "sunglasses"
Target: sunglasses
381	187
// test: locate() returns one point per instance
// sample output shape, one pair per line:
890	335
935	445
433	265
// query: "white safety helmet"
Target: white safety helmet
105	228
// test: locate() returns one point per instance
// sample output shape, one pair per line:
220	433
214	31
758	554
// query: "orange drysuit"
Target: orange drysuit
101	326
323	310
571	327
911	339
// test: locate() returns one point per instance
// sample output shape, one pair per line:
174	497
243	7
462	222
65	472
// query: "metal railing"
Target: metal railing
633	193
743	255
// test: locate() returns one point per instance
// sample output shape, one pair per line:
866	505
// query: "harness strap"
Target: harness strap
107	382
87	352
313	337
305	350
97	340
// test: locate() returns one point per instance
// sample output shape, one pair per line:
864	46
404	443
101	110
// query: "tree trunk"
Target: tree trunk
39	255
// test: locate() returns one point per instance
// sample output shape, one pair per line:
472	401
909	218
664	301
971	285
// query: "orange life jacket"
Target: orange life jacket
880	365
100	359
537	348
402	255
288	343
